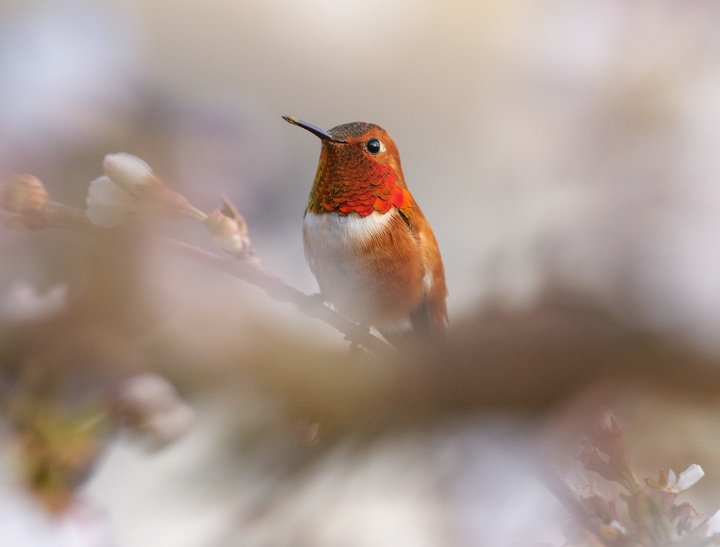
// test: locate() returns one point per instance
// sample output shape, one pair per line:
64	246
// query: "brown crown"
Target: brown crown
351	130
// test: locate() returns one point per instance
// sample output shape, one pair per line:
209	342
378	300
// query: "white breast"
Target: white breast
331	242
331	229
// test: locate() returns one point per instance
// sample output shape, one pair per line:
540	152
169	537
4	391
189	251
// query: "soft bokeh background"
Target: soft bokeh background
565	144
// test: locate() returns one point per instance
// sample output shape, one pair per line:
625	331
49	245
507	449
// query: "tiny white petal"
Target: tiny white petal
24	303
108	204
149	392
689	477
23	521
126	171
672	479
104	190
714	524
151	407
107	217
163	429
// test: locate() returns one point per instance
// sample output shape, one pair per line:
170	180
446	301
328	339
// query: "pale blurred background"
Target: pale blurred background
565	144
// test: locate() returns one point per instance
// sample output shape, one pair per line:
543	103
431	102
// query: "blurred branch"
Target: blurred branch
131	189
278	290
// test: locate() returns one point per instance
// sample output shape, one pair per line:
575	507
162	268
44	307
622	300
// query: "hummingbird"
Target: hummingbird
367	242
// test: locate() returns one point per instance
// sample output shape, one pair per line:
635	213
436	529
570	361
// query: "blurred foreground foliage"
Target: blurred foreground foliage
554	368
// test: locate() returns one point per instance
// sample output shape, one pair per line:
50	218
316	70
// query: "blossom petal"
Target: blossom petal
713	524
23	302
127	171
151	407
107	217
104	190
108	204
167	427
689	477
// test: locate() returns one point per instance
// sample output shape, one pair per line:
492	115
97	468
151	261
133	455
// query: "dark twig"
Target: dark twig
24	205
278	290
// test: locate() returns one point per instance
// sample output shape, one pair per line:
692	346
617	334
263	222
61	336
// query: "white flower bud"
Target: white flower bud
127	171
108	204
151	407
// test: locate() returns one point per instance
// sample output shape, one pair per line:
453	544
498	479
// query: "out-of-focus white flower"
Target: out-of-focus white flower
713	524
146	392
164	428
108	204
686	479
130	186
23	302
25	522
111	198
128	171
579	483
151	407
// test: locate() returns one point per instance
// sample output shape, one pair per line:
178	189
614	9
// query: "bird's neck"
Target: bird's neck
347	183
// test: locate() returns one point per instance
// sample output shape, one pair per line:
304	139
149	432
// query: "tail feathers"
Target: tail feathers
428	322
426	329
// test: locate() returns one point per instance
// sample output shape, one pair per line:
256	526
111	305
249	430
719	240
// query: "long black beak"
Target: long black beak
324	135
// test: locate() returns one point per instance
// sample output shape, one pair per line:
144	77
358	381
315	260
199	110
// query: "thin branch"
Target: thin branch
277	289
56	215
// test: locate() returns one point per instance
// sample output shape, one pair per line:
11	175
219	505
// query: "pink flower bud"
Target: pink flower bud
24	194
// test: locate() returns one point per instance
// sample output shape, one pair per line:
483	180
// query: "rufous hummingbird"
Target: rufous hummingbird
367	242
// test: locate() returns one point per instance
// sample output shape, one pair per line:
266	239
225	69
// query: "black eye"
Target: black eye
373	146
